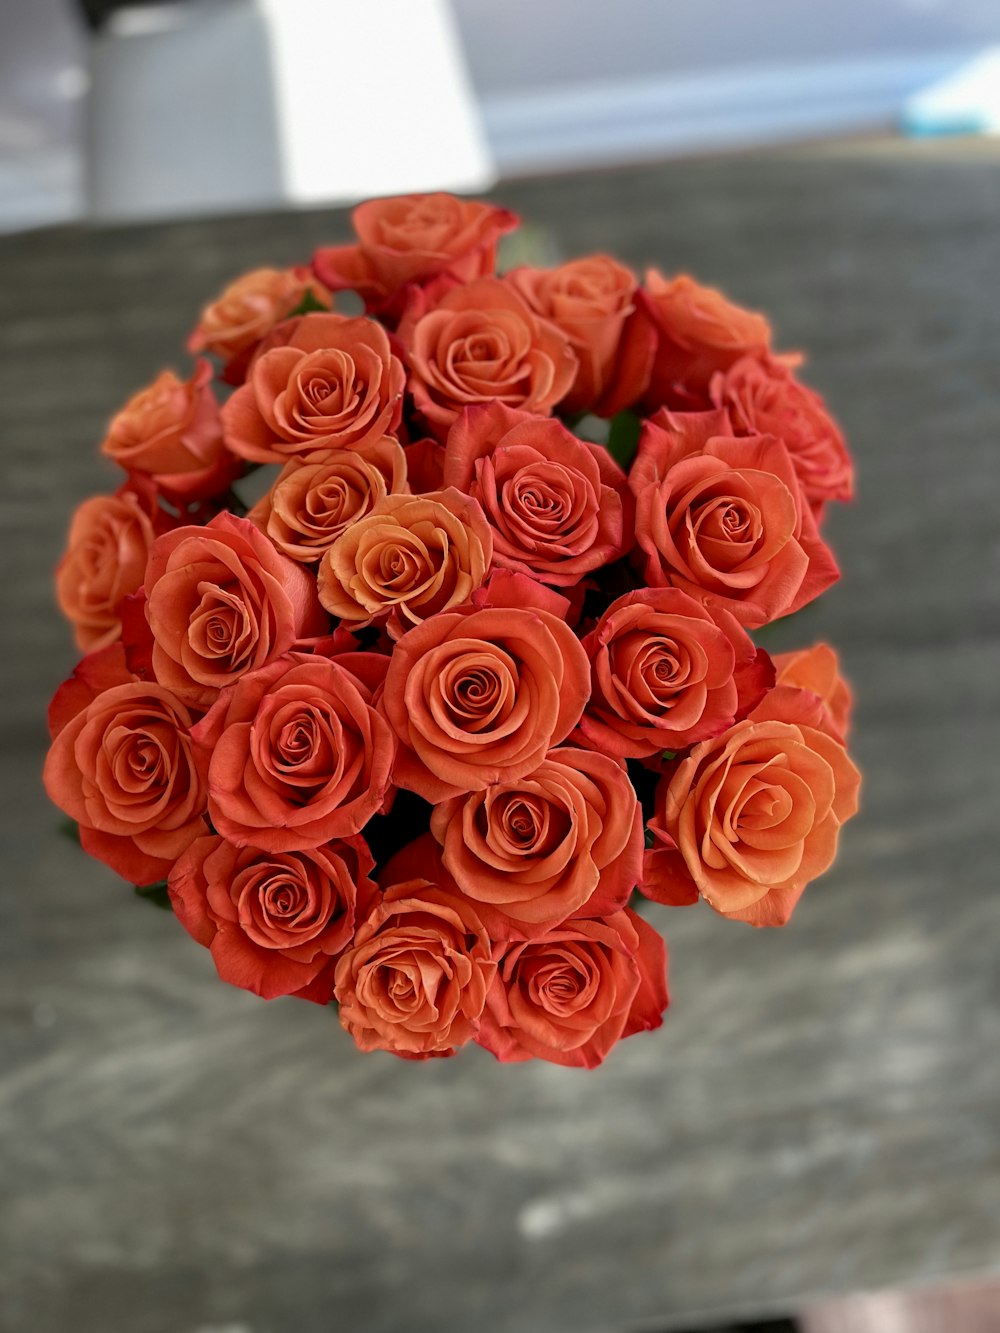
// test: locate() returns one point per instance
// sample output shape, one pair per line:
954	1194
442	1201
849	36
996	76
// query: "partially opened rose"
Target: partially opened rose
232	325
817	670
274	921
570	995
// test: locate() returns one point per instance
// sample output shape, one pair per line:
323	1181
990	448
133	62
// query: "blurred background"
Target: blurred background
812	1141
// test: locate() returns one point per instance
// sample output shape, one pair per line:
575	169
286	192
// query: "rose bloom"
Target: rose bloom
222	601
411	557
414	981
723	518
666	672
274	921
121	765
319	383
480	696
481	343
296	754
171	432
816	671
747	819
592	300
558	506
233	324
312	504
566	838
569	996
412	238
698	333
104	562
763	397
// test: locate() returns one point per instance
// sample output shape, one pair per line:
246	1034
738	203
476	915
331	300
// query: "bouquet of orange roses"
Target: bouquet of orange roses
409	732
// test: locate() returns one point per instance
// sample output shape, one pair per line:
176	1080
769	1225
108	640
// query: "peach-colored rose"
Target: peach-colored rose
816	671
121	765
482	343
318	383
667	672
171	431
593	301
558	506
698	333
222	601
748	819
412	238
312	504
724	520
763	397
570	995
233	324
296	753
564	840
410	558
478	697
105	561
274	921
414	981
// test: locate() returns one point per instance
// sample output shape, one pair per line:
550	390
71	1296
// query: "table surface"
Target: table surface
821	1110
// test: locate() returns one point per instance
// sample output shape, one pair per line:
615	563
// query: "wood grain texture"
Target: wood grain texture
821	1111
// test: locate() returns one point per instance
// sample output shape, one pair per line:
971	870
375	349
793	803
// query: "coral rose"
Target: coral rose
763	397
566	838
667	672
414	981
171	432
319	383
723	518
121	764
412	238
698	333
411	557
593	301
312	504
296	754
222	601
558	506
480	696
814	672
748	819
569	996
104	562
482	343
274	921
233	324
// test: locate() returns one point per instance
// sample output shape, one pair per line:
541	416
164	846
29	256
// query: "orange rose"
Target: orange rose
319	383
593	301
414	981
411	557
816	671
296	754
233	324
121	765
312	504
666	672
478	697
481	343
412	238
569	996
222	601
723	518
171	432
274	921
763	397
558	506
698	333
565	839
748	819
105	561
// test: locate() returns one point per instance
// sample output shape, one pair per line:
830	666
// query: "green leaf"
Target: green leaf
307	306
156	894
623	438
69	828
668	755
649	839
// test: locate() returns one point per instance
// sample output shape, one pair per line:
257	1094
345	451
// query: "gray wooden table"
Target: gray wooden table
822	1109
